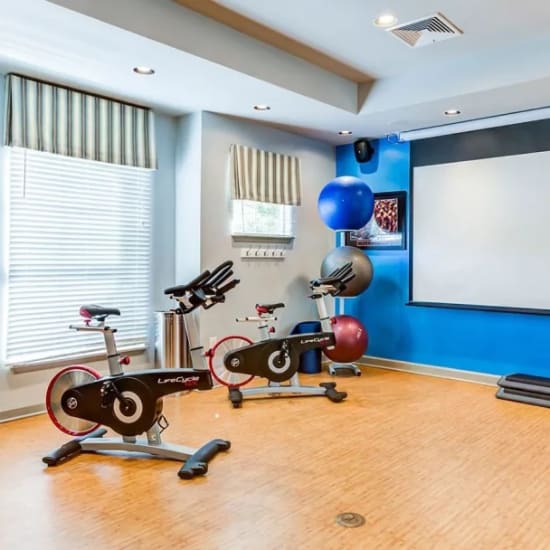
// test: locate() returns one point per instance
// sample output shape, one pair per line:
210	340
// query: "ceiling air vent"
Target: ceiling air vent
425	31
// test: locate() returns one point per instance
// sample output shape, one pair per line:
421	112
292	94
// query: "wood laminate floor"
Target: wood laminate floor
429	463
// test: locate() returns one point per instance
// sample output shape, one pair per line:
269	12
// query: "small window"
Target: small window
262	219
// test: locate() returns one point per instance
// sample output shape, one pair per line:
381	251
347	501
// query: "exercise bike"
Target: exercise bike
79	399
235	360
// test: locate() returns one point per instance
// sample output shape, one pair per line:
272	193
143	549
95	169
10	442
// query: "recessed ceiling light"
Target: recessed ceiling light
143	70
262	107
452	112
345	132
385	20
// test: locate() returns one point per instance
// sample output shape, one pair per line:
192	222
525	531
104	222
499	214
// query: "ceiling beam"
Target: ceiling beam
258	31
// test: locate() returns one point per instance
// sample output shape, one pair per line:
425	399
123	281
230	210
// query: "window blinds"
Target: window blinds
79	232
264	176
55	119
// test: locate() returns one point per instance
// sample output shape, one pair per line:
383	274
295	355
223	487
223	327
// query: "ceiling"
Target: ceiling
331	68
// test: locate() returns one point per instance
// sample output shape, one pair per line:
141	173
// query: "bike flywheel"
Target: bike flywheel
64	380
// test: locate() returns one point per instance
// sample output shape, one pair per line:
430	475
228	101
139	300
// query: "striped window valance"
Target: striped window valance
264	176
54	119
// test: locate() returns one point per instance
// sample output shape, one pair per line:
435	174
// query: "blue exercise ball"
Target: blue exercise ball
346	203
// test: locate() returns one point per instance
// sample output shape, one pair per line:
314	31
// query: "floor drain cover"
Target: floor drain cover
350	519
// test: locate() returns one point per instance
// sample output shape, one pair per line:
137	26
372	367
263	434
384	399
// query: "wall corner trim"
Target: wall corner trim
429	370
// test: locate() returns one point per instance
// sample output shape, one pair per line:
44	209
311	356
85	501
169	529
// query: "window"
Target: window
79	232
264	219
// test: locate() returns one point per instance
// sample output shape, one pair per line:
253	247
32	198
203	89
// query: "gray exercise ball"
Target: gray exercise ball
361	265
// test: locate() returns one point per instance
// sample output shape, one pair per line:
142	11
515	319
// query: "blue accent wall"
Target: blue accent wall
482	341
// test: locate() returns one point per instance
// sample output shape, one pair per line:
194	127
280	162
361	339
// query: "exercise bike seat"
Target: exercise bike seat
268	308
98	312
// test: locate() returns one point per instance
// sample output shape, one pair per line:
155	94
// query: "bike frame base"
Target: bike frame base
195	460
293	388
335	368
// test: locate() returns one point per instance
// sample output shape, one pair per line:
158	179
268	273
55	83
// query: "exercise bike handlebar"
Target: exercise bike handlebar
228	286
206	297
335	283
206	290
205	280
217	295
219	275
342	274
180	290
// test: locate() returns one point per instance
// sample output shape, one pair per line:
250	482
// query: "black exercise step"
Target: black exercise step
530	398
526	379
526	382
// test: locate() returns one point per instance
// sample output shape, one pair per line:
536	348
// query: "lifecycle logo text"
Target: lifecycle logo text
187	380
320	340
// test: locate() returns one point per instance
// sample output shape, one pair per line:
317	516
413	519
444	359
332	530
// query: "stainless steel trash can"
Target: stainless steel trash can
171	347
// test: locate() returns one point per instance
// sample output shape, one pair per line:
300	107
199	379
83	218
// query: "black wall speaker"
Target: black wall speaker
363	150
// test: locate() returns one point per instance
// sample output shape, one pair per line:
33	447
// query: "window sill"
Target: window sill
256	238
25	368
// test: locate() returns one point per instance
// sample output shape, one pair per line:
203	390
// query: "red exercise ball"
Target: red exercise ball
351	339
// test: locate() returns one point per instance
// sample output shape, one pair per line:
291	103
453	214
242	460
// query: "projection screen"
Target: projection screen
481	233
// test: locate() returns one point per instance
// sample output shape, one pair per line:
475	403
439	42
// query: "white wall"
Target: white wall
20	391
261	280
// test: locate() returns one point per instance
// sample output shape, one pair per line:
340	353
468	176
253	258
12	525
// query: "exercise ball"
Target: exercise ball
346	203
360	263
351	339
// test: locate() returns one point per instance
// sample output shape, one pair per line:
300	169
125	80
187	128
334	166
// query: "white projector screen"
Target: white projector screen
481	232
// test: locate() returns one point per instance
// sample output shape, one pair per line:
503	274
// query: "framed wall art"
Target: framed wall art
387	228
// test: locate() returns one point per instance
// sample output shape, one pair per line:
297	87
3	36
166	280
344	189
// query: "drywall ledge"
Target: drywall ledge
429	370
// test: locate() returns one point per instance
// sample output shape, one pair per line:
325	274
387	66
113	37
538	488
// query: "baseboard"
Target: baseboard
429	370
24	412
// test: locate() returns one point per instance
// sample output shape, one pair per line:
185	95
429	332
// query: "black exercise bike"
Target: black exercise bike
79	399
236	360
